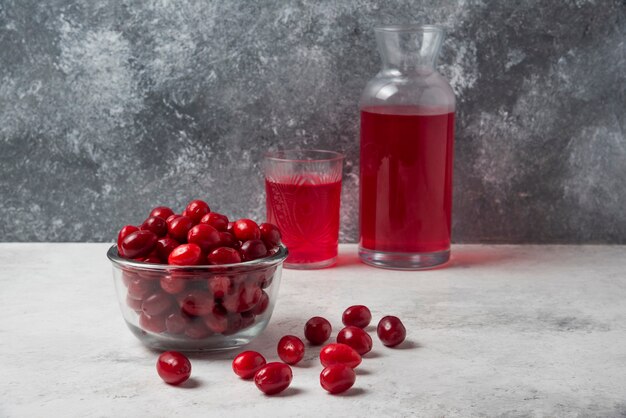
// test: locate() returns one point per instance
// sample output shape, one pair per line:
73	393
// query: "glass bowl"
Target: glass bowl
197	308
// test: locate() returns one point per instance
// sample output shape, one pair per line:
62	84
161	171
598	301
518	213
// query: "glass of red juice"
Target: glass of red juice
303	191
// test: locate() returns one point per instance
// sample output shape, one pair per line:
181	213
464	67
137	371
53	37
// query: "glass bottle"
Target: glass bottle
407	138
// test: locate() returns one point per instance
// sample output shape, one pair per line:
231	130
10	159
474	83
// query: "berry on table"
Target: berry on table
337	378
357	315
290	349
246	364
173	367
317	330
391	331
339	353
356	338
273	378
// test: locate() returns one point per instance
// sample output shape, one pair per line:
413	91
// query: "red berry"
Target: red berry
195	210
152	258
391	331
156	225
357	315
173	284
356	338
165	246
253	249
246	229
176	323
244	298
179	227
173	367
337	378
262	305
228	240
134	304
219	286
155	324
339	353
171	218
162	212
290	349
140	288
124	232
216	220
217	320
224	255
138	244
270	234
205	236
246	364
157	304
197	331
231	228
197	302
317	330
185	255
273	378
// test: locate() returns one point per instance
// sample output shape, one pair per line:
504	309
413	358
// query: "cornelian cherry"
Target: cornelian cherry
356	338
253	249
185	255
228	240
317	330
178	227
391	331
138	244
217	320
357	315
124	232
216	220
273	378
197	330
337	378
270	234
262	305
197	302
224	255
156	225
176	323
165	246
173	367
154	324
244	298
246	229
339	353
195	210
219	286
173	284
290	349
205	236
247	363
157	304
162	212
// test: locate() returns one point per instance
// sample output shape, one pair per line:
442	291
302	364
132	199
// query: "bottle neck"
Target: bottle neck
409	49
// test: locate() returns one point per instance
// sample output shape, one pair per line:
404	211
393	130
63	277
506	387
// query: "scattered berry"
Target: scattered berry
173	367
339	353
273	378
317	330
357	315
246	364
337	378
290	349
391	331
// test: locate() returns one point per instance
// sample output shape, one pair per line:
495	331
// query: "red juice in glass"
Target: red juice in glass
406	179
303	193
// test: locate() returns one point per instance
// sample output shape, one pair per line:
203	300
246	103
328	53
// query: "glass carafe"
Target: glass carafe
407	138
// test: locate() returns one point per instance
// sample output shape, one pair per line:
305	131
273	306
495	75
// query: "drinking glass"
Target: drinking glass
303	190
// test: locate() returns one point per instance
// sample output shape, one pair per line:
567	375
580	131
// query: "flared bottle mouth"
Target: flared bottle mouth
410	28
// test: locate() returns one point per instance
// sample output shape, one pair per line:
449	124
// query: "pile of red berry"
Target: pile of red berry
338	359
197	236
198	303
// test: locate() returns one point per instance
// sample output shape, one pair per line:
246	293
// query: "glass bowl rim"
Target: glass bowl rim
270	261
276	155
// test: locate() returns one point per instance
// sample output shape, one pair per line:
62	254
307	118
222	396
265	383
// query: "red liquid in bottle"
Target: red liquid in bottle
406	179
307	214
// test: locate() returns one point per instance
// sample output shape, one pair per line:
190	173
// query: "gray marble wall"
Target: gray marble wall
110	107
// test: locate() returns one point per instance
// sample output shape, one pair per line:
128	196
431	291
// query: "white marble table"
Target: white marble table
502	331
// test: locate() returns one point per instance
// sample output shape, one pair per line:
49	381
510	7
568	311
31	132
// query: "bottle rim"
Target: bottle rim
409	28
